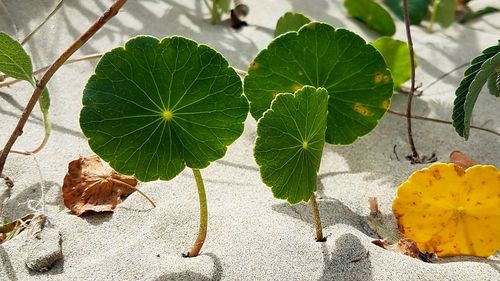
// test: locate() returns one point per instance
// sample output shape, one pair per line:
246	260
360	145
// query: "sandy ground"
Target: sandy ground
252	236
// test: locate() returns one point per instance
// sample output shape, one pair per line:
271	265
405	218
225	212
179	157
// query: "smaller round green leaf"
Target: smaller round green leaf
397	57
14	61
154	107
290	22
372	14
290	141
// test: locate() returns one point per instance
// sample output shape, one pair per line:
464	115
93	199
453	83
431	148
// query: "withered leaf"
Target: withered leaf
89	186
461	159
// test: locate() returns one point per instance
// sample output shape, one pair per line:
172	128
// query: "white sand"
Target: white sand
252	236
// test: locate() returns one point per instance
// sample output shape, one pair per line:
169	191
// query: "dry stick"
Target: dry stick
441	121
38	71
415	158
108	14
59	5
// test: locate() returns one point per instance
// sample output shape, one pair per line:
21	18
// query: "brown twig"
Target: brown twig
108	14
28	37
38	71
440	121
415	158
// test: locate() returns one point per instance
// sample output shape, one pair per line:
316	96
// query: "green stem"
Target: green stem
317	219
215	12
435	6
202	231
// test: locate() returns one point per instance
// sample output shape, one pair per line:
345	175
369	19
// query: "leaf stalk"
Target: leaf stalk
317	219
202	231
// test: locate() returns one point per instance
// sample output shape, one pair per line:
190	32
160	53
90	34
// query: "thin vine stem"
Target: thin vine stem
28	37
317	219
202	231
440	121
40	86
38	71
415	157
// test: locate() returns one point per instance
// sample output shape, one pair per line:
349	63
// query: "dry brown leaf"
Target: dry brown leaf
89	186
461	159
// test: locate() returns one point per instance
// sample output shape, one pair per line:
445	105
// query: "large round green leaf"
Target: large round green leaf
397	57
290	140
154	107
372	14
354	73
290	22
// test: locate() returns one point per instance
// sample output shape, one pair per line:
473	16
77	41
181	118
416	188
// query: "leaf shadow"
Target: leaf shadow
349	258
35	119
7	268
17	206
190	275
97	218
332	212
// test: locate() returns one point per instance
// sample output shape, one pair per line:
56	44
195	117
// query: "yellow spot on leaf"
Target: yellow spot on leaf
311	25
378	77
167	115
387	79
253	66
386	104
361	109
296	87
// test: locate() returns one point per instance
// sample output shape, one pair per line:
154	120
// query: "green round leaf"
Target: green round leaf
417	9
290	141
154	107
481	68
397	57
290	22
372	14
354	73
14	61
445	12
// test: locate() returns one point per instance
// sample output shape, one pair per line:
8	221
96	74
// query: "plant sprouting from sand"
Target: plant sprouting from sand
154	107
341	87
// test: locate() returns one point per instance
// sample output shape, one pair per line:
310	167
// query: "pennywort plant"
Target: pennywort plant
342	88
155	107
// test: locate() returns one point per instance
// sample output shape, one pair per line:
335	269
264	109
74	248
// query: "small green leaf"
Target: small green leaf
44	102
445	12
354	73
494	83
290	141
14	61
290	22
482	67
372	14
417	9
154	107
397	57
